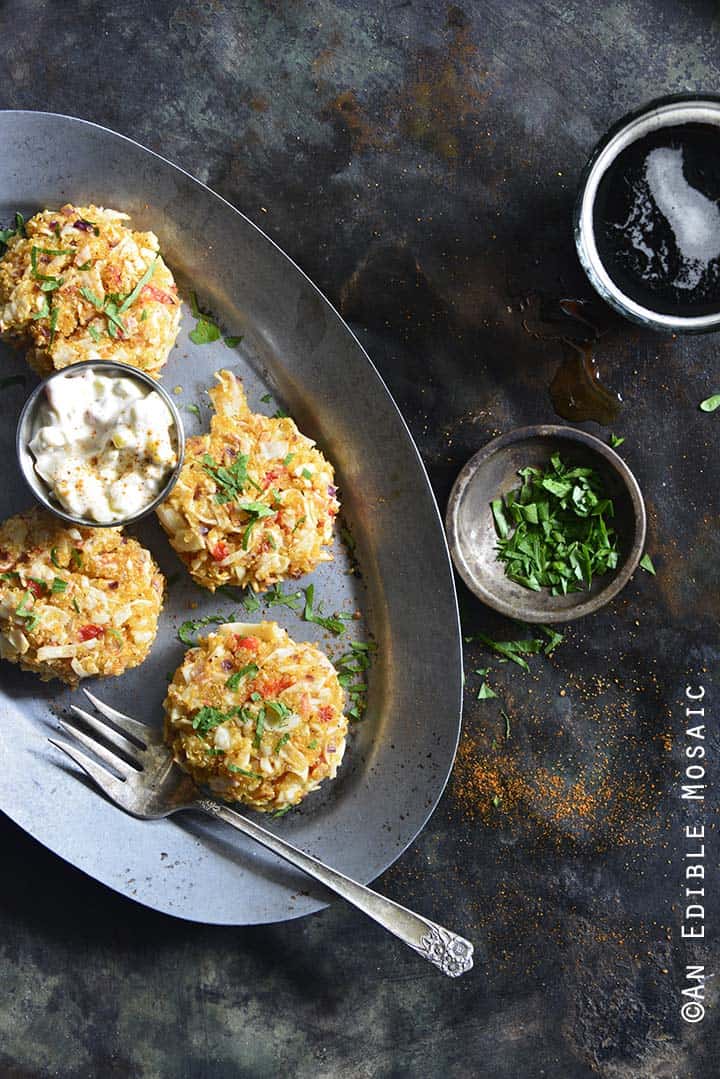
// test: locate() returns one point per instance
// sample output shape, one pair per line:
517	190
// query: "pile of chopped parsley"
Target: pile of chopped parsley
553	530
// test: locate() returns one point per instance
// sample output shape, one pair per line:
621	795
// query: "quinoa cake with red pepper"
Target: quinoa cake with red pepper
255	716
256	500
78	284
75	602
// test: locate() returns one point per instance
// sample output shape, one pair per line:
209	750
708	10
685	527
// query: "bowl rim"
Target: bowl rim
40	489
619	579
665	111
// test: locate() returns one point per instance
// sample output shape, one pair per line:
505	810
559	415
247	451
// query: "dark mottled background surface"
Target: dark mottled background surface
418	159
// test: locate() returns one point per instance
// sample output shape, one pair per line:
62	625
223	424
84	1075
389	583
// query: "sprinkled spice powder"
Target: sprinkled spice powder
551	791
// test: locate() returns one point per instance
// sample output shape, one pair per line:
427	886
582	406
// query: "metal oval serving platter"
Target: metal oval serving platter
296	348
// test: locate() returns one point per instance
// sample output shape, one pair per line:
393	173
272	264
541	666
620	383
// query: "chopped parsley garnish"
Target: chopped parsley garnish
251	603
132	296
249	670
195	409
351	668
512	650
31	619
710	403
229	479
207	330
275	597
266	398
553	531
207	718
646	563
515	651
334	623
243	771
259	727
256	510
616	440
186	632
48	282
12	380
204	333
280	414
89	295
18	230
54	312
109	308
114	322
554	639
280	713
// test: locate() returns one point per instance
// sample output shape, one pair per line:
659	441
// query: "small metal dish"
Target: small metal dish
25	432
493	472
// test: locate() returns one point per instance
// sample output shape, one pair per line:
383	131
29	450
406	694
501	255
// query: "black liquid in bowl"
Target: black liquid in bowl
657	223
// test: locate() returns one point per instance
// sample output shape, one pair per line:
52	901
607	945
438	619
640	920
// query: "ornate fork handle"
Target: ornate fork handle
450	953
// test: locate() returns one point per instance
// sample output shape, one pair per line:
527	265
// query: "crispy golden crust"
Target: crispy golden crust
59	326
270	737
287	477
75	602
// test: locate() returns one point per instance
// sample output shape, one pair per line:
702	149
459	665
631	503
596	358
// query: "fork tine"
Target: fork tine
114	788
132	727
109	734
117	763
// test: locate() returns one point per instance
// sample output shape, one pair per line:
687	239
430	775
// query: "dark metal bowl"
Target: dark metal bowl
493	472
39	487
669	111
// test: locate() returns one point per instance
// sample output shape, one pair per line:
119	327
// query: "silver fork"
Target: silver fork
149	784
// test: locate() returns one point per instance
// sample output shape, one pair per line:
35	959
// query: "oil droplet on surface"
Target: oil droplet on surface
577	392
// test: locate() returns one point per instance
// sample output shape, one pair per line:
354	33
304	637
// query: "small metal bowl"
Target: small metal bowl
671	111
25	432
494	472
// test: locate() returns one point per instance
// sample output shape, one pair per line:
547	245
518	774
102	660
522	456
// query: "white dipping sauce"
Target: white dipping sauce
103	444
